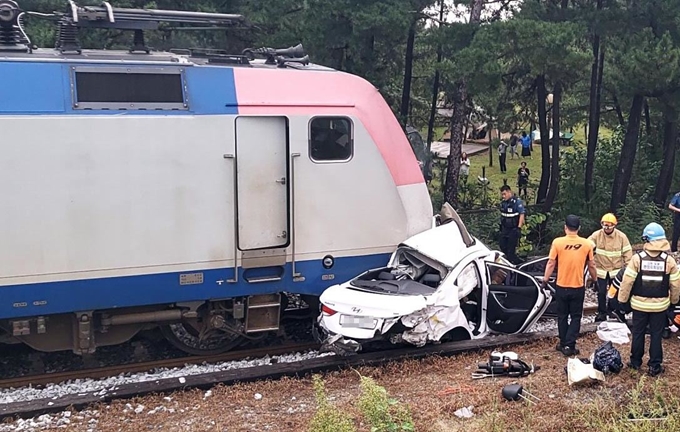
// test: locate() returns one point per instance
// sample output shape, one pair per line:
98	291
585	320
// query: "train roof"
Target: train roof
184	57
16	45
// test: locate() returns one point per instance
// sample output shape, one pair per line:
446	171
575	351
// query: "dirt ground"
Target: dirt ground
433	389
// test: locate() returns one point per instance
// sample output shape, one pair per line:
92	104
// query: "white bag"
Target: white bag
614	332
578	372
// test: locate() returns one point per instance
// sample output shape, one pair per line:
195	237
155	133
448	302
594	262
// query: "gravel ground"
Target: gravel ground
103	386
20	360
433	388
88	420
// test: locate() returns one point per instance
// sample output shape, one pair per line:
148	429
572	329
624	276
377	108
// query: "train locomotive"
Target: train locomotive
188	190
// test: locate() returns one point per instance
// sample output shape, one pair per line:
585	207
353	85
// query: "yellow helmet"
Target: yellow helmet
609	218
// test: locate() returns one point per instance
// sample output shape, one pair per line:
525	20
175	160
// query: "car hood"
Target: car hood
354	301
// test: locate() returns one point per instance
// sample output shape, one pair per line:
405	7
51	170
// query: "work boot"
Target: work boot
655	370
620	316
666	333
633	366
569	351
558	347
601	317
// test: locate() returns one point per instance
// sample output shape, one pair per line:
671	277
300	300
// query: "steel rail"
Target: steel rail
37	380
27	409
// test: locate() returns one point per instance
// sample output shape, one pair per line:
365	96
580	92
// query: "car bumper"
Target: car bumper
333	342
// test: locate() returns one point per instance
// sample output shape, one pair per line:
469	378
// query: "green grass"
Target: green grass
496	178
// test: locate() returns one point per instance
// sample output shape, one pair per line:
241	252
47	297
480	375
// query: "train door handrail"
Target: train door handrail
292	210
235	194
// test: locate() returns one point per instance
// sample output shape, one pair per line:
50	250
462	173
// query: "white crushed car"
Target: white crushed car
442	284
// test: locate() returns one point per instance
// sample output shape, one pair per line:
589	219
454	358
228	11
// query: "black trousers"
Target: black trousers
569	313
676	233
508	243
602	285
501	159
522	188
656	322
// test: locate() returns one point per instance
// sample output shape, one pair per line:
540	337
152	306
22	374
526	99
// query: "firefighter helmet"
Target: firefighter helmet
609	218
653	231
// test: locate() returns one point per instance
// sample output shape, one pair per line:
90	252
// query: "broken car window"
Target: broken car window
467	280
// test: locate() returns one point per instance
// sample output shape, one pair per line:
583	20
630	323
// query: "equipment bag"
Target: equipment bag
607	359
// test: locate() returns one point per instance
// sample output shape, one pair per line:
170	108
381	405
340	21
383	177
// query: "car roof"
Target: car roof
444	244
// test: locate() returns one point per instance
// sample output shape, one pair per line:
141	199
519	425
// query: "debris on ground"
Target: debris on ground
515	392
465	412
615	332
580	372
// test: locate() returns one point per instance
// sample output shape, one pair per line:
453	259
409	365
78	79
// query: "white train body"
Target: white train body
235	192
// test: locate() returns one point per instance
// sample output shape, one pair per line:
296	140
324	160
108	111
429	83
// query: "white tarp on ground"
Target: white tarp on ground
441	148
615	332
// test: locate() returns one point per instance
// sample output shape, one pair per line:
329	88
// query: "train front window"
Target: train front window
330	139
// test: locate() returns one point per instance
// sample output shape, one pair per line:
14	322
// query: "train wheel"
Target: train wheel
191	337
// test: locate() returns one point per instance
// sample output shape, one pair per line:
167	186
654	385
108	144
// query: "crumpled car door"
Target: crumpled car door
514	299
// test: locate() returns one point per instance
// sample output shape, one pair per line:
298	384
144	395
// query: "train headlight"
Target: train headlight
328	261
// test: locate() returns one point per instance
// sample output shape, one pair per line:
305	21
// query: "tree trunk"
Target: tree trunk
619	112
545	139
435	87
555	165
458	122
670	134
489	126
627	159
453	162
594	115
408	73
648	121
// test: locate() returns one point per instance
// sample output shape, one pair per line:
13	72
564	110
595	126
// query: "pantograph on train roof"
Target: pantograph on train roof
15	41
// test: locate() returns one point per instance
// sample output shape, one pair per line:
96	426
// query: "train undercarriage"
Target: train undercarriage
198	328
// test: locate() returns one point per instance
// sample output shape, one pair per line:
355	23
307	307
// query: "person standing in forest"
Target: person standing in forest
612	253
573	253
651	282
674	206
523	179
526	145
514	139
502	155
512	219
464	165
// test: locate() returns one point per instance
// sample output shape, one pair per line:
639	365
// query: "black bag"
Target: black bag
607	359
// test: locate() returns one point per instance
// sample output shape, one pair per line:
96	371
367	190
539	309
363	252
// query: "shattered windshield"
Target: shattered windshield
396	287
412	274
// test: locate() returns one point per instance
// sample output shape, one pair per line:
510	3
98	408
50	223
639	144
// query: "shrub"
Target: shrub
327	418
382	413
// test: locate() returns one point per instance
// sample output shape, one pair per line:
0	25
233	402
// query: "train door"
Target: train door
262	182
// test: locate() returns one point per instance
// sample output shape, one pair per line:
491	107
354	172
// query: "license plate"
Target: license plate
358	322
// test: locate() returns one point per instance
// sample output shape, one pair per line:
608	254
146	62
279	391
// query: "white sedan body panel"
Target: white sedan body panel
429	281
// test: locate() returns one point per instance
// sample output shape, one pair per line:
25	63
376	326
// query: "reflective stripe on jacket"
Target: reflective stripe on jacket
612	252
646	304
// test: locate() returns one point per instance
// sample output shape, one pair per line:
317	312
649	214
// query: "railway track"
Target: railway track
94	373
32	408
36	380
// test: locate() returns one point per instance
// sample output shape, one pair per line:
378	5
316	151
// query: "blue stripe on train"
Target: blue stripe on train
116	292
31	88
